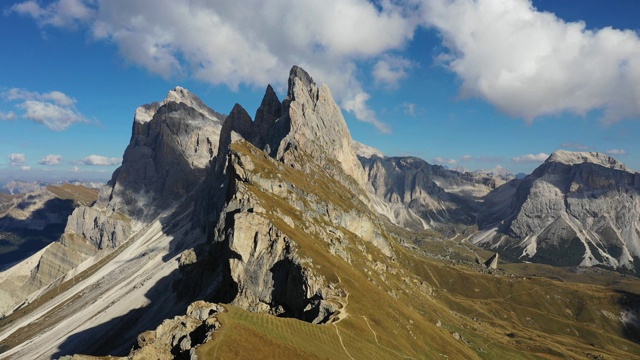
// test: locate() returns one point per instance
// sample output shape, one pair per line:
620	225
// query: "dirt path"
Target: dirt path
342	343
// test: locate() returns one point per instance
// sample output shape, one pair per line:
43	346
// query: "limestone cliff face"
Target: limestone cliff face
575	209
420	195
317	126
171	146
271	212
278	184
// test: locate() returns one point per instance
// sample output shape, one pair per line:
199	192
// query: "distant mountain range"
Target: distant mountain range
279	236
14	187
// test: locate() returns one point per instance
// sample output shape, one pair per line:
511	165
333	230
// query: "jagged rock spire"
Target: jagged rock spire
297	72
318	128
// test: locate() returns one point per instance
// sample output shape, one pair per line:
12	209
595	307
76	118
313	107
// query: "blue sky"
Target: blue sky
463	83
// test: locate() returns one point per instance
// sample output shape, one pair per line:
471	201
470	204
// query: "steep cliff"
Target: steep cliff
275	182
419	195
171	145
575	209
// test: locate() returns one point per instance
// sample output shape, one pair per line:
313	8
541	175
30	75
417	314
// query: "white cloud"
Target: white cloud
443	161
51	160
530	64
466	158
616	152
530	158
389	70
75	169
55	96
17	159
98	160
221	42
54	109
25	168
62	13
7	115
525	62
358	105
54	117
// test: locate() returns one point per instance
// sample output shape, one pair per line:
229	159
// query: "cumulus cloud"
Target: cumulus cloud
62	13
25	168
51	160
358	105
16	159
616	152
54	109
444	161
220	42
531	64
525	62
389	70
98	160
530	158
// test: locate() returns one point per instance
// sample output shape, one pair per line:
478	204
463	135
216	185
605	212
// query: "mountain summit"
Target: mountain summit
576	208
576	158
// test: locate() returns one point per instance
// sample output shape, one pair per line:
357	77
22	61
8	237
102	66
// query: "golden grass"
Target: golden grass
78	193
415	307
394	313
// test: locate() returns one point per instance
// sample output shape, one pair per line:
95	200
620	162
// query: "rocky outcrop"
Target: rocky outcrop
492	263
316	125
575	209
269	208
180	336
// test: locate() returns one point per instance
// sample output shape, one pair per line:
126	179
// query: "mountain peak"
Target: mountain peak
182	95
366	151
575	158
297	72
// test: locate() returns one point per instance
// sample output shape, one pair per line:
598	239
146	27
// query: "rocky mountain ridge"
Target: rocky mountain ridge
249	205
171	145
277	220
576	209
419	195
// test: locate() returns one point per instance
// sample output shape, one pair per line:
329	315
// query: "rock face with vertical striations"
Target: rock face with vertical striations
171	145
419	195
273	182
577	208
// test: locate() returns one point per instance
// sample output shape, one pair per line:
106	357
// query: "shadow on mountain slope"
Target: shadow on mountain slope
208	280
21	238
630	315
118	335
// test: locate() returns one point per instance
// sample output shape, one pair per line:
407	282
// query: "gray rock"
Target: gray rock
576	209
492	263
419	195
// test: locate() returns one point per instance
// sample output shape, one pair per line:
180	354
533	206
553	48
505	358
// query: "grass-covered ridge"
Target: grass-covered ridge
412	306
